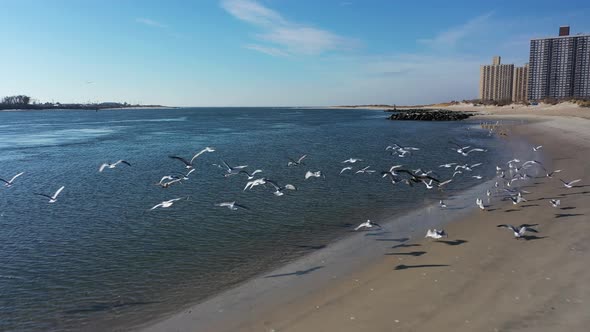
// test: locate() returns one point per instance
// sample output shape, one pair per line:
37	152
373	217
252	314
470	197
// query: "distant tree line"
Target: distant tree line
16	100
26	102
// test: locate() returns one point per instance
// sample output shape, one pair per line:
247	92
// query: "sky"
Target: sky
266	52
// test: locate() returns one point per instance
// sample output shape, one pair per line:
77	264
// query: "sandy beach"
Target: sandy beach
479	279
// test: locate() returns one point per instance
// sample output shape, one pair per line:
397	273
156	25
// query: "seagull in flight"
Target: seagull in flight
465	154
449	165
346	169
293	162
367	224
113	165
279	189
550	174
52	199
555	202
570	184
173	180
442	204
365	170
310	174
189	164
436	234
167	204
232	205
10	182
351	160
250	175
478	177
519	231
254	183
537	148
232	170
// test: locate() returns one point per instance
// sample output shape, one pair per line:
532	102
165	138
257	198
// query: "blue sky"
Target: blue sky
266	52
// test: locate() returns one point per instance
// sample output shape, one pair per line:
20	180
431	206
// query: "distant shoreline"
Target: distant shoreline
96	109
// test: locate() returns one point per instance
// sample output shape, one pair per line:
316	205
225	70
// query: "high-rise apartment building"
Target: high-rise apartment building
559	67
495	81
520	81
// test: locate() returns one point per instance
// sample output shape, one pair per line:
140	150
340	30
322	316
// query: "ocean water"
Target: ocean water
99	256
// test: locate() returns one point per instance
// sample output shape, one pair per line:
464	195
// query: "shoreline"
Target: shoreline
303	312
225	311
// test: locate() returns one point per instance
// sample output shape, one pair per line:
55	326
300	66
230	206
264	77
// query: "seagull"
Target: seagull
517	199
231	205
232	170
537	148
550	174
555	202
488	193
310	174
351	160
250	175
520	230
297	162
399	147
479	177
254	183
498	169
428	184
456	172
52	199
513	161
473	150
479	204
365	170
279	189
436	234
391	171
167	204
109	165
169	183
449	165
367	224
189	164
345	169
174	178
444	182
11	181
569	185
442	204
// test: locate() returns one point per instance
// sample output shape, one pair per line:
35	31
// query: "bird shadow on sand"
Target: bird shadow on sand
532	237
296	273
512	210
412	253
376	233
402	239
406	267
452	242
318	247
97	307
568	208
490	210
406	245
529	205
578	193
567	215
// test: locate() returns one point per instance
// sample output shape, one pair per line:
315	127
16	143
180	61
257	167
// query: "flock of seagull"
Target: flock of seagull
505	185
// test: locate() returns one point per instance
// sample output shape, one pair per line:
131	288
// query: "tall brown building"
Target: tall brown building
495	81
520	81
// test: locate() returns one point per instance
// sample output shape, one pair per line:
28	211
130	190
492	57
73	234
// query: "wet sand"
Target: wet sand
479	279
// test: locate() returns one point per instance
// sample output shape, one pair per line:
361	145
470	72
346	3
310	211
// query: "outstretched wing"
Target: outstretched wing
58	192
16	176
301	158
123	162
186	162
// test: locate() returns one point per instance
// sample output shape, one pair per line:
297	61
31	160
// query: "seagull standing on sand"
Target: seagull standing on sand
297	162
11	181
555	202
436	234
189	164
367	224
113	165
167	204
570	184
479	204
232	205
52	199
519	231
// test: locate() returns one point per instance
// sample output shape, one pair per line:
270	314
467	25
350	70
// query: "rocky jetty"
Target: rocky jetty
428	115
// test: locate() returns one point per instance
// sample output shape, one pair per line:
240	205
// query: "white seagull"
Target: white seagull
365	170
351	160
555	202
520	230
250	175
310	174
345	169
442	204
570	184
367	224
465	154
436	234
167	204
189	164
297	162
279	189
113	165
231	205
449	165
254	183
479	204
232	170
537	148
550	174
11	181
52	199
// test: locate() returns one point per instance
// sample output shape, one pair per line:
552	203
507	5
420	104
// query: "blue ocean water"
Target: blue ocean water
100	255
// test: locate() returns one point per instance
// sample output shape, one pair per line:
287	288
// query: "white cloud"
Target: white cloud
449	38
266	50
286	36
150	22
